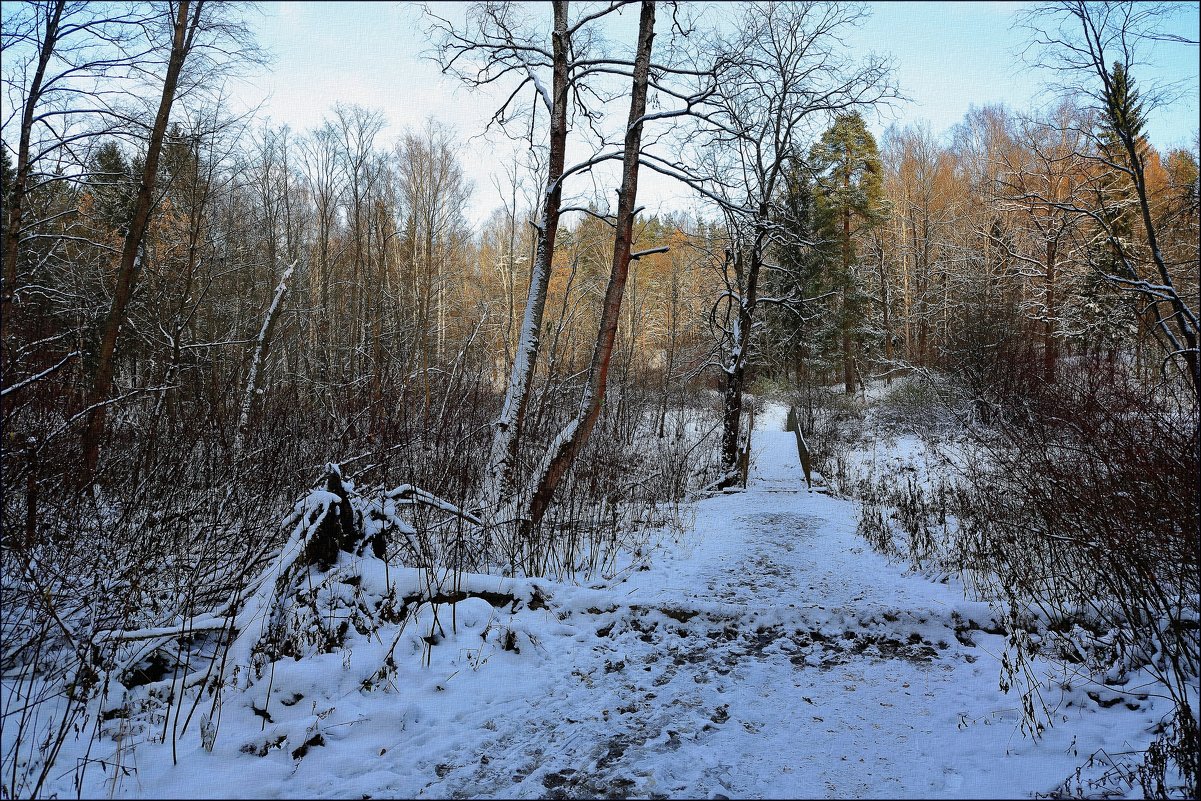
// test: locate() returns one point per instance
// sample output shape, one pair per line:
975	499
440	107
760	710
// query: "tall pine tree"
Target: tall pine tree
850	193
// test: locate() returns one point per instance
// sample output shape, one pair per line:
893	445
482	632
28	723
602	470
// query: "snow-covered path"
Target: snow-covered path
773	655
770	653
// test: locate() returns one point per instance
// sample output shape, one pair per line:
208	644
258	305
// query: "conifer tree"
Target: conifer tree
802	328
6	182
112	183
849	190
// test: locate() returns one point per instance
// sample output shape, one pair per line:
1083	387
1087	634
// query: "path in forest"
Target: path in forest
768	652
772	654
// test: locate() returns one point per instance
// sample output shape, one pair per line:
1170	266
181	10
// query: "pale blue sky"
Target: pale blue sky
948	56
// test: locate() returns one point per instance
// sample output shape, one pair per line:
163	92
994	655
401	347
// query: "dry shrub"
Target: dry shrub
1083	509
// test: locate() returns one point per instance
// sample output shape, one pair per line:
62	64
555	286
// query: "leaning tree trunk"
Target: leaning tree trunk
183	32
1184	318
258	362
566	447
498	477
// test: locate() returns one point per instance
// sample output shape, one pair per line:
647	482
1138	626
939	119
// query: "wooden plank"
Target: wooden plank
802	447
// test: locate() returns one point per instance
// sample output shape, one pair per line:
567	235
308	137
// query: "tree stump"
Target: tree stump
336	531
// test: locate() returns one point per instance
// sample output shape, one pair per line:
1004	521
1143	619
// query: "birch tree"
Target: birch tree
434	192
357	129
500	51
324	182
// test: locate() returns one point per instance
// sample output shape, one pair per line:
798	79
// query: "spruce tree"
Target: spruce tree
1106	306
1123	117
7	173
801	330
112	184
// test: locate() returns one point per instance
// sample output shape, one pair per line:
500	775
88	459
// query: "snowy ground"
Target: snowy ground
768	653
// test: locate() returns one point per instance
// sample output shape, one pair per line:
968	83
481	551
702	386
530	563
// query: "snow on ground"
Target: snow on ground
767	653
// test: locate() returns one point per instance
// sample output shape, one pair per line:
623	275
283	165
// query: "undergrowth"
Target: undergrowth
1072	509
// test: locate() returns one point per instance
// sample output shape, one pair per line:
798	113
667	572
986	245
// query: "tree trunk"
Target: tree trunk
848	358
736	369
258	363
498	478
1050	345
572	439
1184	317
885	301
20	184
183	32
732	421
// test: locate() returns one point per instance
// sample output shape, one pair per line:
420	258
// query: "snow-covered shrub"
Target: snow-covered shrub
907	519
874	521
624	489
1083	509
926	403
164	533
1072	507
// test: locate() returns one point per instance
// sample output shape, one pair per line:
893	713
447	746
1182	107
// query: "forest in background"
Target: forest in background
204	315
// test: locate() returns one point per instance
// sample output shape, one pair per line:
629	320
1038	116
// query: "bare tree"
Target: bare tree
566	446
922	190
213	34
435	192
185	23
508	257
501	51
64	65
1044	179
779	77
325	185
357	129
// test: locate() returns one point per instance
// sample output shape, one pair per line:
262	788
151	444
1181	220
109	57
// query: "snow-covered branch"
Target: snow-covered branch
34	379
256	362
